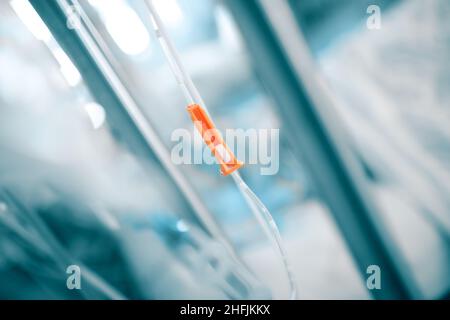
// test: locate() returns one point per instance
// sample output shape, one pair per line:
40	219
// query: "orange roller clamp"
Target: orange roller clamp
213	139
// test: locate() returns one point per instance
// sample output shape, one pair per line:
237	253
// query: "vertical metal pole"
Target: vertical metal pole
332	165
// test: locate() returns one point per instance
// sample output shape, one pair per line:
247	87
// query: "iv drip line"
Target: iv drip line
229	164
269	226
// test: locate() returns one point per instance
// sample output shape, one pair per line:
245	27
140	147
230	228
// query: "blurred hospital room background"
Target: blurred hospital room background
364	152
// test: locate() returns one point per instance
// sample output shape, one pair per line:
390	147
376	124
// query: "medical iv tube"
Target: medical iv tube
229	164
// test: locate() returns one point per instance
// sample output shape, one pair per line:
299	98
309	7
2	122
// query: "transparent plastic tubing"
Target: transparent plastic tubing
192	96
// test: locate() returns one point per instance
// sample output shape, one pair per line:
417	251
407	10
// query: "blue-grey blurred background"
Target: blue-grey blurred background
77	188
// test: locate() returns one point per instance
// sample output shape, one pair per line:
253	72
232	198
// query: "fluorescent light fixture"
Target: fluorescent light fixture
169	11
37	27
31	19
124	25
